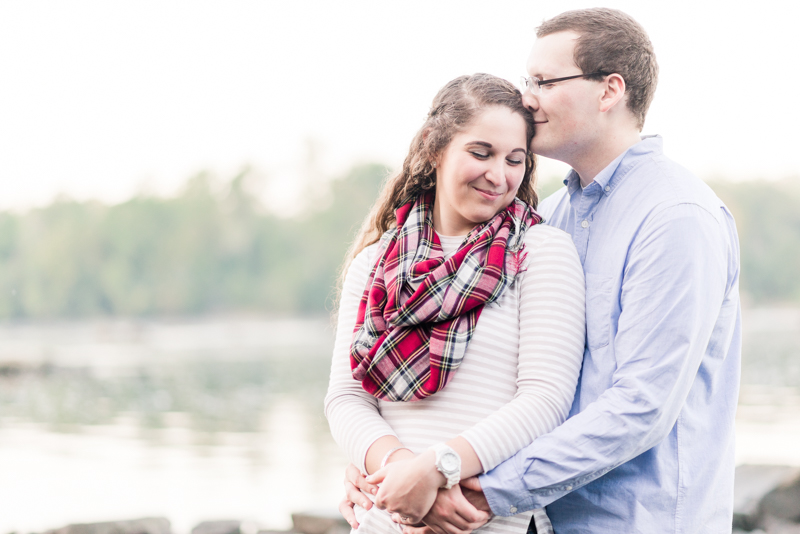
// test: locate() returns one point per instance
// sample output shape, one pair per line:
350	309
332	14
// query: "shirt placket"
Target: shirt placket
583	203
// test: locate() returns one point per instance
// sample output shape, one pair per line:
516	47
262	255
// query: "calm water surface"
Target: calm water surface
222	418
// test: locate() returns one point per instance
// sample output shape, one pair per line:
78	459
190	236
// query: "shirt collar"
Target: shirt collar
615	171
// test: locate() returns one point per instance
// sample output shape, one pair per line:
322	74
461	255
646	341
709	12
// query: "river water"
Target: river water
221	418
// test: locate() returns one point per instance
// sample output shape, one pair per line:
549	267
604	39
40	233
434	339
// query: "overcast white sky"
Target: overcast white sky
103	99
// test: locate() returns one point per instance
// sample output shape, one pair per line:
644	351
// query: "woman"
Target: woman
461	320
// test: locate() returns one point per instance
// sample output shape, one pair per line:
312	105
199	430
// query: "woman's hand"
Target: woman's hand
354	484
408	487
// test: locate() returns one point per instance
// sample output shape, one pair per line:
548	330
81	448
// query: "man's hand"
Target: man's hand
459	510
354	484
471	488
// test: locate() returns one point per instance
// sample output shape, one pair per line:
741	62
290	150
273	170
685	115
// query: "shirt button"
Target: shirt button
513	509
568	488
608	188
584	224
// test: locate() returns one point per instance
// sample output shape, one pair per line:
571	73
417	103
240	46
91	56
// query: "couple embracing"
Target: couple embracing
569	366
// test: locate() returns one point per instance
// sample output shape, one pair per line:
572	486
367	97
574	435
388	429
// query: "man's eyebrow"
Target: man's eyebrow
489	145
537	74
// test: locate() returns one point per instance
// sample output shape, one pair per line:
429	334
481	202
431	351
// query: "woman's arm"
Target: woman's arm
551	328
552	318
353	414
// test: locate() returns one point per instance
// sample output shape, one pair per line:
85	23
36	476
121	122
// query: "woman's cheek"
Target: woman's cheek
513	185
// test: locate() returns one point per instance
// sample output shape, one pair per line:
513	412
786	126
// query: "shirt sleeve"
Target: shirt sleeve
551	330
353	414
674	283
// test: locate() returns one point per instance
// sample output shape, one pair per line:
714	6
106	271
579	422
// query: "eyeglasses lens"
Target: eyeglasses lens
529	84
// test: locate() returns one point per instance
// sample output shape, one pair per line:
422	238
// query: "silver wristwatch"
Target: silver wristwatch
448	463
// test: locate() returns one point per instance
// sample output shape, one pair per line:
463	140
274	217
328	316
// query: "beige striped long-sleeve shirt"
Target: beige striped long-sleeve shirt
516	382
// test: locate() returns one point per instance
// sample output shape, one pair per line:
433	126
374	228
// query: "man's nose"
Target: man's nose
530	101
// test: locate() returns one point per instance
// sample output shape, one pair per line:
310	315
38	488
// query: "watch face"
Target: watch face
449	462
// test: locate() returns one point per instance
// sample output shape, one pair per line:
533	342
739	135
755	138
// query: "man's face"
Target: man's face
565	112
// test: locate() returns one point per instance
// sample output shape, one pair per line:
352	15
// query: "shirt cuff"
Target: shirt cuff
505	490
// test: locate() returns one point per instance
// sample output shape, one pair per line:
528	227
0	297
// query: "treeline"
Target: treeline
205	252
768	222
199	252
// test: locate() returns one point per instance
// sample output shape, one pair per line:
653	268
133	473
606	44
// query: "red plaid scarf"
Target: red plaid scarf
418	312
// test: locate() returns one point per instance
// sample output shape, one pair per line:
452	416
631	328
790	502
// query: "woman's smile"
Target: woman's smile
480	171
490	195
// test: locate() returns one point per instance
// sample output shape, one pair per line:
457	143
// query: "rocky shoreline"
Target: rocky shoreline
766	501
313	522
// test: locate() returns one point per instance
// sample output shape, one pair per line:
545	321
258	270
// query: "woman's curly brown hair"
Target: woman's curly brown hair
454	108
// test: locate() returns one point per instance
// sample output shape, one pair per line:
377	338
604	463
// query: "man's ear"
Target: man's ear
614	92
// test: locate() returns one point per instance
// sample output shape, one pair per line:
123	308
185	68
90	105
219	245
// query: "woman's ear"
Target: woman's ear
613	92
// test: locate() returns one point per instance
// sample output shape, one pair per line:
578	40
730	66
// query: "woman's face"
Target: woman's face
479	172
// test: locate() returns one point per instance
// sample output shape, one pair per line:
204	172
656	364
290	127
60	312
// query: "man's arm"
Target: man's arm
674	283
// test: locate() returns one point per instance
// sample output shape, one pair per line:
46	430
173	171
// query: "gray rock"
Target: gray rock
228	526
148	525
779	526
783	502
752	485
320	522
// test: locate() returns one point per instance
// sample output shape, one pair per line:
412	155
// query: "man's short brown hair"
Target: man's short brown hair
612	41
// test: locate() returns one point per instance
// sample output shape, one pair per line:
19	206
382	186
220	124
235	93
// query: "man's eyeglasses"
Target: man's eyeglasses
534	84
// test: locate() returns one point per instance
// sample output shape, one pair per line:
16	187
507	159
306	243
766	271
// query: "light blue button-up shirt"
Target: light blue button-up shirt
649	444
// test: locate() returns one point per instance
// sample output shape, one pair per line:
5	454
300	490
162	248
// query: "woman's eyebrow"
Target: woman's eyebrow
481	143
489	145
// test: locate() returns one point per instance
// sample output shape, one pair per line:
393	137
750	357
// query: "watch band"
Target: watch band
452	474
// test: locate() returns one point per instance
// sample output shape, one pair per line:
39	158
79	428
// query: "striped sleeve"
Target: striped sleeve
551	342
353	414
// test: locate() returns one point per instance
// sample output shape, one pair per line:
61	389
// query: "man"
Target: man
649	444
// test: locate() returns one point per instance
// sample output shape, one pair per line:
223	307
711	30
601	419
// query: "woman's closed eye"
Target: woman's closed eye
484	156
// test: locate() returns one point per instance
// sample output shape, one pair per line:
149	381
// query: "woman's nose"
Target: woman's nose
496	172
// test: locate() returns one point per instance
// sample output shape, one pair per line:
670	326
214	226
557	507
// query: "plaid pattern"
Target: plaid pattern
418	311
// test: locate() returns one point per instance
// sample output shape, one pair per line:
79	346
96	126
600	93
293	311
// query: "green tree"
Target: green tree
210	250
768	223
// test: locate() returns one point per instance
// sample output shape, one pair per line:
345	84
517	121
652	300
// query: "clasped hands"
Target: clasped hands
411	491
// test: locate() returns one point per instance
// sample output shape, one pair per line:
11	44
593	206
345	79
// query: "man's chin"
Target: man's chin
548	150
541	149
